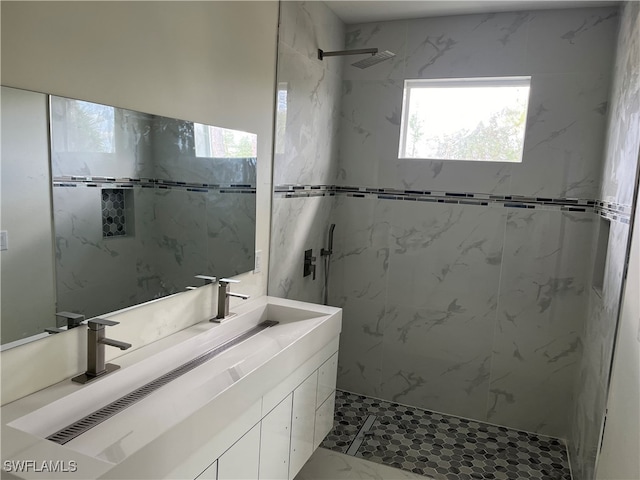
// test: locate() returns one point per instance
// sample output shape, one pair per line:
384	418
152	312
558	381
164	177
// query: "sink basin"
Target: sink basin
256	364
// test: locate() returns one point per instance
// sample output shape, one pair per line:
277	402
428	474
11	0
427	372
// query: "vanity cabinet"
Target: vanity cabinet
241	461
324	420
303	423
257	411
278	446
327	376
275	442
211	473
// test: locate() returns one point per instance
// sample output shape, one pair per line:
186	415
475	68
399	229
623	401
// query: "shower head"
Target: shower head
374	59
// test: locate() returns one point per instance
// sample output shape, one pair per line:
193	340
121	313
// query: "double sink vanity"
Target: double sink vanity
256	403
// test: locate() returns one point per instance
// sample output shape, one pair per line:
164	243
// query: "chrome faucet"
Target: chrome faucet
224	285
96	341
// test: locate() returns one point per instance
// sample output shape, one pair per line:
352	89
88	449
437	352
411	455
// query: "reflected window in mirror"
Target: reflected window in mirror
216	142
84	126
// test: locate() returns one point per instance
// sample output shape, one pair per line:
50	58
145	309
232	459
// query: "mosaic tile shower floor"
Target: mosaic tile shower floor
442	446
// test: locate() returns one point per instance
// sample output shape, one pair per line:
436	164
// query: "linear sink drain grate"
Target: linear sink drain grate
79	427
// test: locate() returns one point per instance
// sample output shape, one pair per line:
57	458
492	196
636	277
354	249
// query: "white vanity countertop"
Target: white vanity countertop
227	384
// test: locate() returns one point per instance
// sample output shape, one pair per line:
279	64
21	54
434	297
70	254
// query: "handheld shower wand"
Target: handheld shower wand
326	254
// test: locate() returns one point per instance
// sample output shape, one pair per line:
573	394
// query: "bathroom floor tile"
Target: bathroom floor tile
331	465
442	446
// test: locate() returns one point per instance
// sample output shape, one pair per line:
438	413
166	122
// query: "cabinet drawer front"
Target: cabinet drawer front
241	461
302	425
327	376
275	441
324	420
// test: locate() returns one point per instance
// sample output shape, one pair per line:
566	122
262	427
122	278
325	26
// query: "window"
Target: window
479	119
216	142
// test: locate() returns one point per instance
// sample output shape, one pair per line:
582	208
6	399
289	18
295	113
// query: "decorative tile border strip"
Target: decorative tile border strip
611	211
614	212
113	182
303	191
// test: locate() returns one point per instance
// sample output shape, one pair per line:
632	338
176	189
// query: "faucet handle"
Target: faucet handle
73	319
207	278
54	330
94	322
228	280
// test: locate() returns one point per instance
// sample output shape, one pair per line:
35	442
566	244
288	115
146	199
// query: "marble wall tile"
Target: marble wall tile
439	357
297	225
618	178
623	135
446	175
231	228
467	46
306	144
308	138
173	239
369	130
403	267
445	263
172	235
360	262
542	304
308	26
567	109
598	336
444	254
452	307
361	359
390	36
575	40
565	134
476	311
78	237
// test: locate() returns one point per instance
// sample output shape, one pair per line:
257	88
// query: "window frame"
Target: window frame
417	83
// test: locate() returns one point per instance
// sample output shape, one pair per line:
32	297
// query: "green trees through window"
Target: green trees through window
465	119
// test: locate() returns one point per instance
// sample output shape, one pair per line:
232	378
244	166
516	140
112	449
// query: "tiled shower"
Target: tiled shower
487	291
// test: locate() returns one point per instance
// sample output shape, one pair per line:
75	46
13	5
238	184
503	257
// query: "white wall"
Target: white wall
27	265
209	62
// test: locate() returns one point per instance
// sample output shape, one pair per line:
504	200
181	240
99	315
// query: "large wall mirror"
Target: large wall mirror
104	208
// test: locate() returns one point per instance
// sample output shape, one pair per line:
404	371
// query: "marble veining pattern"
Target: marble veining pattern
306	143
618	180
169	234
462	330
568	55
520	300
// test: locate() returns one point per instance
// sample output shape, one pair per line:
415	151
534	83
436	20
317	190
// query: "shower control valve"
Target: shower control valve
309	264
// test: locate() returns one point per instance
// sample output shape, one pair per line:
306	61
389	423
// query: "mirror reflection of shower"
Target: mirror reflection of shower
326	253
375	58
